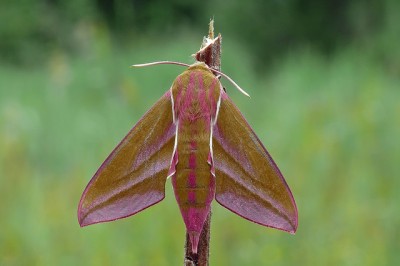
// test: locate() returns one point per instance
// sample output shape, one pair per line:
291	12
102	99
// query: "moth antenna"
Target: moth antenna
187	65
231	81
161	63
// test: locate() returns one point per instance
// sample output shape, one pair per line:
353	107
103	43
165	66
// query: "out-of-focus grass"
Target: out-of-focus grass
330	124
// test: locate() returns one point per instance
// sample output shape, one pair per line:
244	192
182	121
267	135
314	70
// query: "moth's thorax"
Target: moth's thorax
195	94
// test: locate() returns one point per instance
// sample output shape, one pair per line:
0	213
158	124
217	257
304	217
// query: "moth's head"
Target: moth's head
200	66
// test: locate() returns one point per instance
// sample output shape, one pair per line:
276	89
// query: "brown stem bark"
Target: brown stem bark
209	53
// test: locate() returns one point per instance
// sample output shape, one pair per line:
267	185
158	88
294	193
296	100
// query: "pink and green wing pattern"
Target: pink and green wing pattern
133	176
248	182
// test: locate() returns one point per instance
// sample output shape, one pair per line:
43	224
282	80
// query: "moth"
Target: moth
197	137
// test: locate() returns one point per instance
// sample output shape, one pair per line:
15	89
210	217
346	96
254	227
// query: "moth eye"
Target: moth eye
224	89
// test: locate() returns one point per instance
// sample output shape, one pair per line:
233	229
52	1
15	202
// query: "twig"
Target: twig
201	258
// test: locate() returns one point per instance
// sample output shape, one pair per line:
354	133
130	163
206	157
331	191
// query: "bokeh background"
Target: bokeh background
324	78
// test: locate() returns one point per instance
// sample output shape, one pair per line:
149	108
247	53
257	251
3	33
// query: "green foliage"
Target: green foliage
267	28
29	29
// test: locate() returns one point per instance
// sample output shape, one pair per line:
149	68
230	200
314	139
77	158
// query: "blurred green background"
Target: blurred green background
324	78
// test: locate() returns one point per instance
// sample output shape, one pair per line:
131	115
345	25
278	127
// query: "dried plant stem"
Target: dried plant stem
209	53
201	258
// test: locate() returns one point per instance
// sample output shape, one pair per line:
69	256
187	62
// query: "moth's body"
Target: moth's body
197	136
195	95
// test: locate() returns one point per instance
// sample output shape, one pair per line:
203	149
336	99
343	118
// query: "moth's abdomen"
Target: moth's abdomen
193	183
193	171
